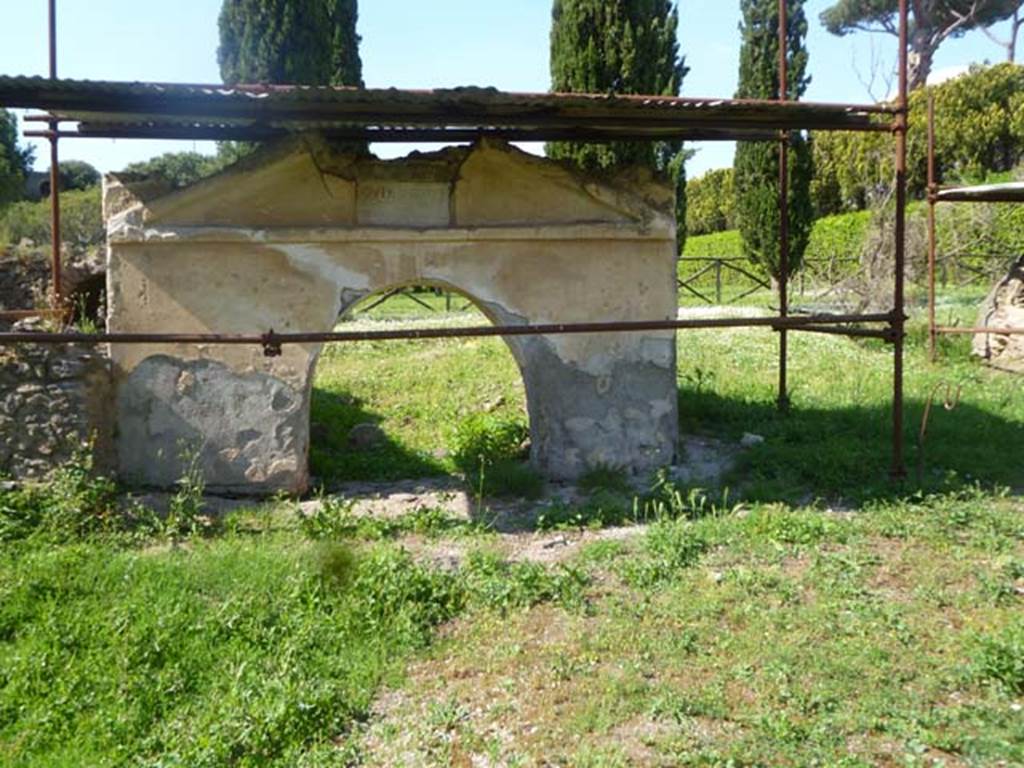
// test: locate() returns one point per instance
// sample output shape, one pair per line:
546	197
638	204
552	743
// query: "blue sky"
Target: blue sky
416	44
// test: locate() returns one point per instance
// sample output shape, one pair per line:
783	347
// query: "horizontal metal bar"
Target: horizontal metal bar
272	339
384	135
18	314
1008	331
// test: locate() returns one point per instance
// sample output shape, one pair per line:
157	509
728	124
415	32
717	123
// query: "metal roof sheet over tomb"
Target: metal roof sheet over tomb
187	111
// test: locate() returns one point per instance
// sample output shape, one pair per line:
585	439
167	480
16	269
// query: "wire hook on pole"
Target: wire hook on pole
950	400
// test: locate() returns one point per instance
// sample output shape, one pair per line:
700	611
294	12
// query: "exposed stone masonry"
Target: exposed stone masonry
53	400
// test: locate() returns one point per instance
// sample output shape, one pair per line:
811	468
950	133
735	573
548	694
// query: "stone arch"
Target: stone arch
492	315
294	234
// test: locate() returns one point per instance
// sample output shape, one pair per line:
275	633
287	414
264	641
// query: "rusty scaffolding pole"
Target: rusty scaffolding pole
57	291
783	399
899	317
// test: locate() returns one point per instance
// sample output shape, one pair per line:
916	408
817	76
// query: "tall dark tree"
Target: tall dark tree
619	46
346	66
275	41
15	161
756	165
294	42
300	42
931	23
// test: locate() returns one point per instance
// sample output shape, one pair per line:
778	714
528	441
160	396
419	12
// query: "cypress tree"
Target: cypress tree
275	41
294	42
756	163
298	42
346	66
619	46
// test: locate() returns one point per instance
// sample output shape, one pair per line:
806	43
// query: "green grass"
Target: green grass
261	644
751	625
409	389
834	444
777	636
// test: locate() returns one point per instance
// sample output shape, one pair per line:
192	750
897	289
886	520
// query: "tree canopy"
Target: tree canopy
15	161
979	131
179	169
756	165
77	174
620	46
294	42
614	46
301	42
931	23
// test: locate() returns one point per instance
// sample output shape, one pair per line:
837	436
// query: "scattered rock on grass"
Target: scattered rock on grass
749	440
365	437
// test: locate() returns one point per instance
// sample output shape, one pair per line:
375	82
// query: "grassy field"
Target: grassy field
814	614
834	444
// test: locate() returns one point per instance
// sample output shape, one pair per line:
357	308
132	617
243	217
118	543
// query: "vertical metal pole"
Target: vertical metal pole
718	281
57	297
783	401
898	318
931	229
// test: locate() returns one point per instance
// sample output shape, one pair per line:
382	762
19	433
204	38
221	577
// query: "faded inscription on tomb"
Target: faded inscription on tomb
403	204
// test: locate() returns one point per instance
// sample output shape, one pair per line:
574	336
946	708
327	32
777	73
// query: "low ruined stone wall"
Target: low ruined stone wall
24	281
53	400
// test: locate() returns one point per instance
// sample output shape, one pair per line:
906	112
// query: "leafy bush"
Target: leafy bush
710	203
999	658
186	505
72	504
489	449
717	245
179	169
81	219
487	439
979	131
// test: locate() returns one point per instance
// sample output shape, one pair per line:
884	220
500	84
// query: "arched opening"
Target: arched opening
385	411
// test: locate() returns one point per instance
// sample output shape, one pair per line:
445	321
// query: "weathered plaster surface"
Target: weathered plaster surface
296	235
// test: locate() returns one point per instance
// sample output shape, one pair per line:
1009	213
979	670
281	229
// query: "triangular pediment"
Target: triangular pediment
302	182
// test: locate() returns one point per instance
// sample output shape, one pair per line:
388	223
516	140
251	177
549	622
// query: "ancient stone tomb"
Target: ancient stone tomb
296	234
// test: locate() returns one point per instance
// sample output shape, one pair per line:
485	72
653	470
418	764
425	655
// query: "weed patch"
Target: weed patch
998	658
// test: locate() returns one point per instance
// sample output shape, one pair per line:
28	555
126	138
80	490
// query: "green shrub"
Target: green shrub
717	245
669	547
489	450
979	131
999	658
487	439
77	174
72	504
81	219
179	169
710	203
